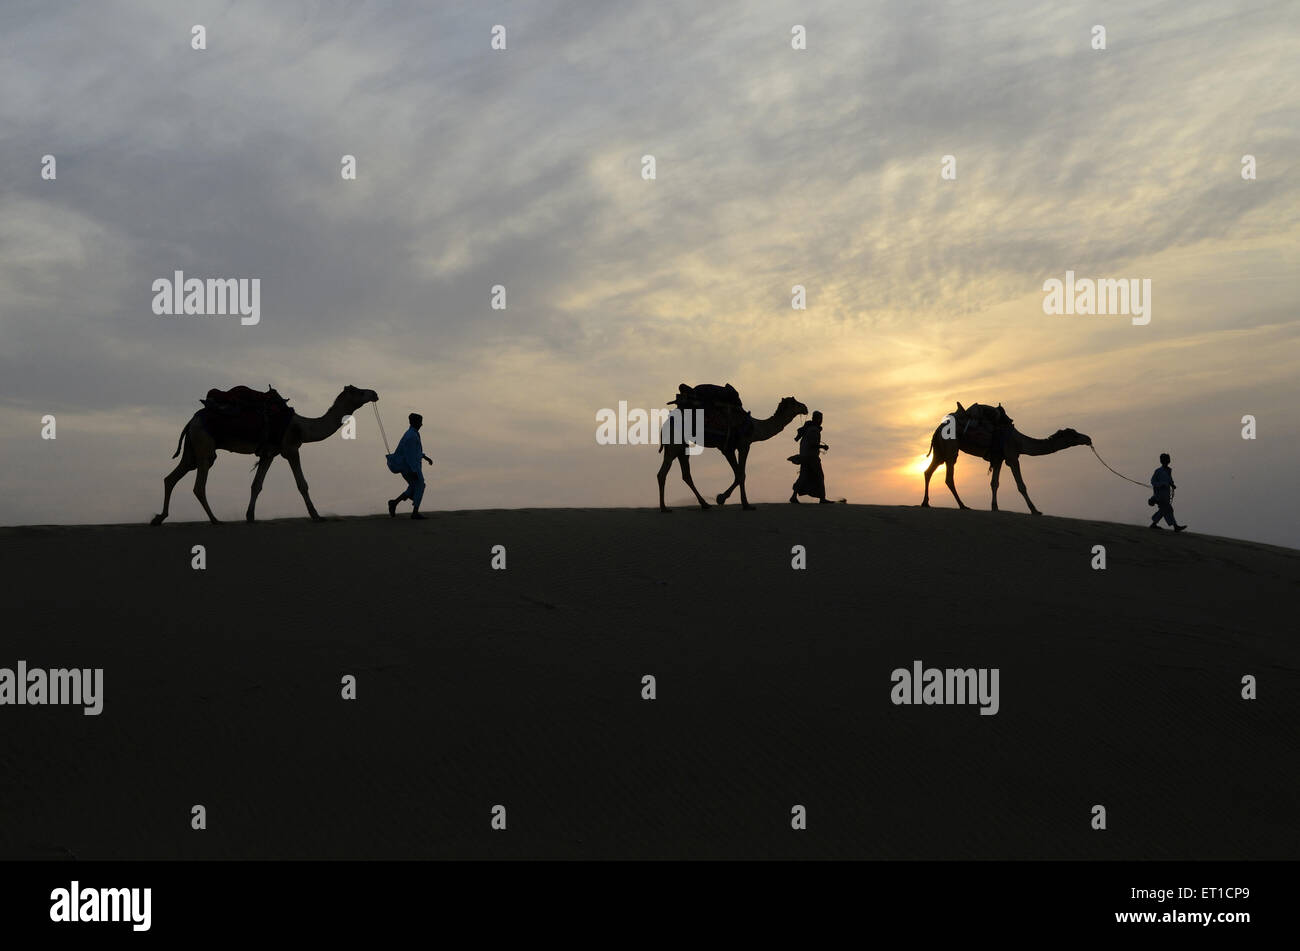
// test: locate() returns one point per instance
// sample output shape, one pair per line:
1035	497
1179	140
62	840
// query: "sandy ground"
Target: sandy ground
522	687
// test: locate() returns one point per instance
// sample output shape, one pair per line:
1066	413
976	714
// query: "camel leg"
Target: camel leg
1020	484
730	456
169	483
952	485
740	476
296	465
662	475
997	469
201	488
935	463
263	464
685	462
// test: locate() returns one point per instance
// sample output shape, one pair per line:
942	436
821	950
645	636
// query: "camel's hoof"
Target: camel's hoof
1036	512
249	518
721	500
925	505
665	511
157	520
318	518
704	506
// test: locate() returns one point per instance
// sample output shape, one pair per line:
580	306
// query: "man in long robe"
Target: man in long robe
408	457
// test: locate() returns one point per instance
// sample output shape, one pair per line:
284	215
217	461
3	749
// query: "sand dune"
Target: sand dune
522	687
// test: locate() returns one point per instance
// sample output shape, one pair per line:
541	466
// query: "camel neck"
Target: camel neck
767	428
1031	446
318	428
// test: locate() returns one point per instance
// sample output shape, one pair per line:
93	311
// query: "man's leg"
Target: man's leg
410	483
1166	511
416	492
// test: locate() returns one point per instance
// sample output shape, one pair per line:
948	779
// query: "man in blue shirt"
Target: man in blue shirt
408	457
1162	481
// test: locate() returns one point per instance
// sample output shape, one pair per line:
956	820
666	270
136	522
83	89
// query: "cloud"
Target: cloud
522	168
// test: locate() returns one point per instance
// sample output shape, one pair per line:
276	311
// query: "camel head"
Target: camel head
789	408
1073	438
353	398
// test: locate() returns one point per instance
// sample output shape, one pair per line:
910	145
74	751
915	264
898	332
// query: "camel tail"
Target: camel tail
180	443
661	448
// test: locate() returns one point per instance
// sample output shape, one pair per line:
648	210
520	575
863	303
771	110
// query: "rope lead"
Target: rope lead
1120	474
375	407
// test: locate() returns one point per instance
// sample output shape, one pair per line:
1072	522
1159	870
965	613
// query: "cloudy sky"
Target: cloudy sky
775	167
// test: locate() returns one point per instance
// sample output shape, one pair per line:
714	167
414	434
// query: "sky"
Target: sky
774	167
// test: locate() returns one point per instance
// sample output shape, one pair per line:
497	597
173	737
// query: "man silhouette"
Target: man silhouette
1162	481
811	480
408	457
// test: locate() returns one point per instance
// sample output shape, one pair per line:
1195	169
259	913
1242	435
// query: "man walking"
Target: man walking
811	481
1162	481
406	463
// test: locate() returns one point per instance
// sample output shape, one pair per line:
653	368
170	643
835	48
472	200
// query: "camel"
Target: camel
198	450
1014	444
736	454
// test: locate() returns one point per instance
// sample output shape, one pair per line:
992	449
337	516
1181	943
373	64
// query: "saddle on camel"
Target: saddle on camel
248	415
983	427
725	417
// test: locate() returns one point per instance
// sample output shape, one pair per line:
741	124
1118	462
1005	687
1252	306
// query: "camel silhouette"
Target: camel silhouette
1009	448
198	450
736	454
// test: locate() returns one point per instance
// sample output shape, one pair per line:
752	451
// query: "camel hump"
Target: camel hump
242	414
984	427
983	413
708	394
725	418
245	401
245	396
